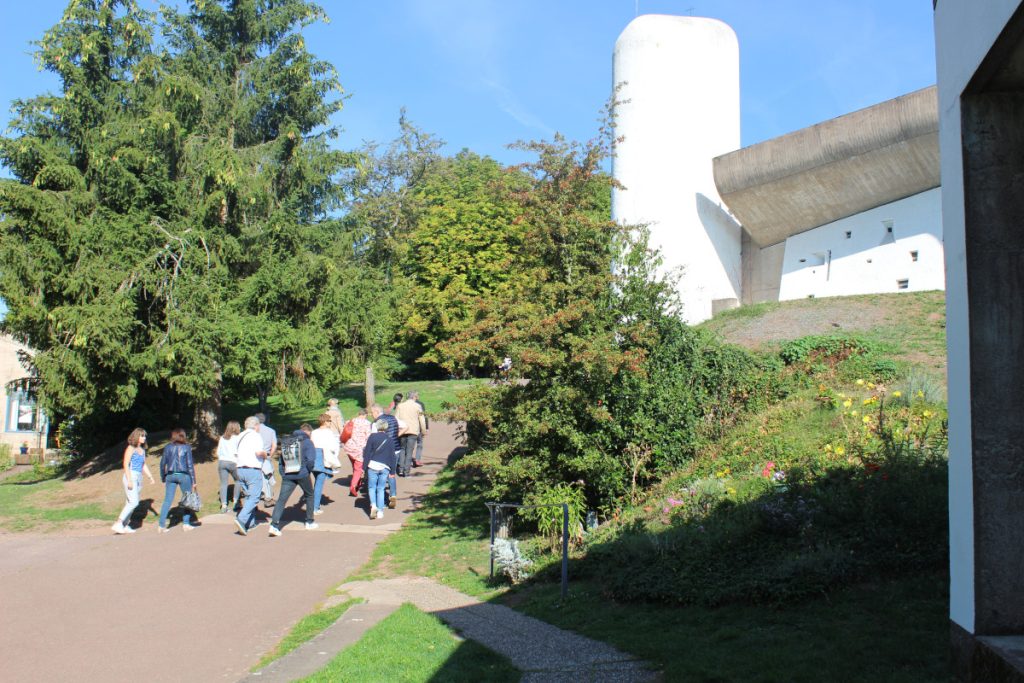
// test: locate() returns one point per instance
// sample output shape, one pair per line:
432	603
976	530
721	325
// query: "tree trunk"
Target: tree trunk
261	390
208	411
368	387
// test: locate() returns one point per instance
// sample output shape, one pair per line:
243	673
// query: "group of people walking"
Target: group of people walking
380	445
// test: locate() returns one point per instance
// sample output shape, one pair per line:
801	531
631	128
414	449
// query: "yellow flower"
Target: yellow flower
920	394
860	383
927	413
897	394
867	418
854	413
871	385
840	450
828	448
869	401
847	403
731	491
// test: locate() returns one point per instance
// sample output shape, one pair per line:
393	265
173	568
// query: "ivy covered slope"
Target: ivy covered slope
842	479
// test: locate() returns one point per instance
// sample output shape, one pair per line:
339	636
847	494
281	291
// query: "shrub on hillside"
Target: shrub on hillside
869	498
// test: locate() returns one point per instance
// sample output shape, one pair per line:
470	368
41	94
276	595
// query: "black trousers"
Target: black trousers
287	487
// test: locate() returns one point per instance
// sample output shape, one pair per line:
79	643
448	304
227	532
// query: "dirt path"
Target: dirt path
200	606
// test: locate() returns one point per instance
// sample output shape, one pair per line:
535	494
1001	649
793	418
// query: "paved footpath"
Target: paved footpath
197	606
544	653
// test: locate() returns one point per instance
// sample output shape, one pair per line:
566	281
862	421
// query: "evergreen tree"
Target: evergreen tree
167	226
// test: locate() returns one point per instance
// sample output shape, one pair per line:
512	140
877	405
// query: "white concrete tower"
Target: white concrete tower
680	86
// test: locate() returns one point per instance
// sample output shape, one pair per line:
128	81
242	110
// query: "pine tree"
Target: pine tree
166	231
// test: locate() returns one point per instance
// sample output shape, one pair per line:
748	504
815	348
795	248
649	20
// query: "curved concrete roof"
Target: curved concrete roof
789	184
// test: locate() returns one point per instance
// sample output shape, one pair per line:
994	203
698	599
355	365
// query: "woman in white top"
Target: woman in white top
227	463
327	443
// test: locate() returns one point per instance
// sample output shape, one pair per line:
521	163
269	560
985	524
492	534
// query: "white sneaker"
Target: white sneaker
318	512
380	514
162	530
118	528
128	529
274	531
188	527
373	513
312	525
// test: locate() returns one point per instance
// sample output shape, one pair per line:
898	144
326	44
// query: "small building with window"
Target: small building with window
25	426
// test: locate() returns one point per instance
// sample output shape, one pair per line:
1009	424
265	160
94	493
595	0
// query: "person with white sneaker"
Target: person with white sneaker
379	461
327	443
300	479
251	454
134	466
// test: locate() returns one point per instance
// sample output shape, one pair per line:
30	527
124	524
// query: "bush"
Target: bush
778	519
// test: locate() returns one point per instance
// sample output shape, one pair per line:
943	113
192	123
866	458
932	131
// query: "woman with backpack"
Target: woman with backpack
177	469
134	466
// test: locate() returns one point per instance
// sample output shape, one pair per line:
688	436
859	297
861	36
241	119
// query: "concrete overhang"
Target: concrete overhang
799	181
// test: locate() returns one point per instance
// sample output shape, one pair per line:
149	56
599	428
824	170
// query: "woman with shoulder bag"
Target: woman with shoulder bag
177	469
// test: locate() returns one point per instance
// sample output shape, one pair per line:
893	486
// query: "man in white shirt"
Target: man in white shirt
328	445
269	435
251	455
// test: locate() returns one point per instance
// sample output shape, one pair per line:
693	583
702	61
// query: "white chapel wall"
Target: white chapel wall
858	254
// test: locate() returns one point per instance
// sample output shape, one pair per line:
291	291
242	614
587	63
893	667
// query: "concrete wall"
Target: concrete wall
859	254
762	271
833	169
965	32
679	109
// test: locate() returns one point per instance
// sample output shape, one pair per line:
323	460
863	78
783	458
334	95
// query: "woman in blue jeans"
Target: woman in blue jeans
177	469
379	461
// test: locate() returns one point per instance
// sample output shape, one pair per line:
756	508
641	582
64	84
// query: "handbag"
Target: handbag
192	501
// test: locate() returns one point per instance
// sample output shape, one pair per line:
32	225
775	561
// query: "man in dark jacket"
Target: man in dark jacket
300	478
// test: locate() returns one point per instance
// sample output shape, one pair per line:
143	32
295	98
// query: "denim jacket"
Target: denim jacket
177	457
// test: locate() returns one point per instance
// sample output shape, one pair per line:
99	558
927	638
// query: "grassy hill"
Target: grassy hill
807	542
909	327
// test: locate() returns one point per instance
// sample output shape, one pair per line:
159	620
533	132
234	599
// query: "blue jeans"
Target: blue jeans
392	485
318	487
376	480
172	481
252	482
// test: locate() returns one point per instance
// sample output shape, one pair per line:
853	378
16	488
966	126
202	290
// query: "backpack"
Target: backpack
291	455
346	432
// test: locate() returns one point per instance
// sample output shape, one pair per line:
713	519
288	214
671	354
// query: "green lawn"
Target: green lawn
894	630
19	513
409	647
433	394
307	628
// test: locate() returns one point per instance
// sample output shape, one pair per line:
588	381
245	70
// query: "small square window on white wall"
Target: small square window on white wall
903	284
913	255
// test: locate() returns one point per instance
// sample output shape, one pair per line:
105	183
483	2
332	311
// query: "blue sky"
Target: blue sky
484	73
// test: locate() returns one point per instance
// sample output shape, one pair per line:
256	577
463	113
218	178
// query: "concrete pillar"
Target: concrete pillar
980	51
679	108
